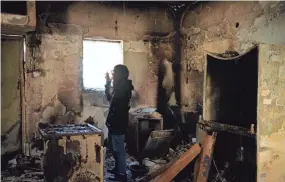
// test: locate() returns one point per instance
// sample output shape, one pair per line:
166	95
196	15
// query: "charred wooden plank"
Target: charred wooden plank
212	126
204	163
179	164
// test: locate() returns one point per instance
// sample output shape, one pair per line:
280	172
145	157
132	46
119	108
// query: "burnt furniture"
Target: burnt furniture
142	122
73	152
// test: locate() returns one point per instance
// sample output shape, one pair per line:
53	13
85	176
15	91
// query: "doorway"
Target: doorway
12	55
230	97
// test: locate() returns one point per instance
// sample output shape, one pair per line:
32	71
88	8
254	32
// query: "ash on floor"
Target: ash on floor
28	176
29	169
152	164
23	168
109	164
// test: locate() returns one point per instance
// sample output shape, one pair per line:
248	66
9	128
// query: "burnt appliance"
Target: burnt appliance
73	152
145	133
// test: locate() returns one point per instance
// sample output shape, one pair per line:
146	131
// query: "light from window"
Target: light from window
99	57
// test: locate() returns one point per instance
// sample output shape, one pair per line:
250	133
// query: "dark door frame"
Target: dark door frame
22	85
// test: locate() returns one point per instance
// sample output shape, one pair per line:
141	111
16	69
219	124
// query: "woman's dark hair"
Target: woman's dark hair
121	71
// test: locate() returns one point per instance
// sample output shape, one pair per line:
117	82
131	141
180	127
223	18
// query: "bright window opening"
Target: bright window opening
99	57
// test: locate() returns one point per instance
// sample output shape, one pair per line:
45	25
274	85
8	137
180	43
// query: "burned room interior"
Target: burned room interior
206	97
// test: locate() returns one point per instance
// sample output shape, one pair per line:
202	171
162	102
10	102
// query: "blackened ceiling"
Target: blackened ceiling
57	5
19	7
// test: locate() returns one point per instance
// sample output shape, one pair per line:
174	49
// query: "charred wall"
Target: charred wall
237	26
231	89
231	98
54	54
53	65
220	26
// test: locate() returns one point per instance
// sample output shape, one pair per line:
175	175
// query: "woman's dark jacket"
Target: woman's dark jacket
118	117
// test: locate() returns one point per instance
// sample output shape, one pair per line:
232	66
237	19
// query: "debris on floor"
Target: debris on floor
23	168
158	166
109	164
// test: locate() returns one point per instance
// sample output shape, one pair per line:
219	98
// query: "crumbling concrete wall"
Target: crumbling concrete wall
59	57
271	113
130	25
220	26
53	72
237	26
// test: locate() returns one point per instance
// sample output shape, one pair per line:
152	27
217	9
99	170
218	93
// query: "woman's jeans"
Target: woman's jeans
116	143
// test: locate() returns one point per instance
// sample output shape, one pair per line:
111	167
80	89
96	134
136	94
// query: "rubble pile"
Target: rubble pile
23	168
158	166
179	150
109	164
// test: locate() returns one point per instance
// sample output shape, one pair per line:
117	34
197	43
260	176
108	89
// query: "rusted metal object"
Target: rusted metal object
203	164
73	152
179	164
69	130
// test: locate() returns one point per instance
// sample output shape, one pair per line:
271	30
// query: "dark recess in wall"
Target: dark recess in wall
14	7
233	92
234	101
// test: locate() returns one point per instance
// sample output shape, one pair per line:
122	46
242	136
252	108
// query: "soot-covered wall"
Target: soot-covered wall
231	97
220	26
238	26
231	89
54	66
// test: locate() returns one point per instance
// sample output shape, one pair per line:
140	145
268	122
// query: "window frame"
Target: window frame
97	90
